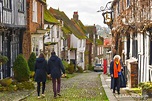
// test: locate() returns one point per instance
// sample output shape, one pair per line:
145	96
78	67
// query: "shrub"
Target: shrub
65	64
80	70
25	85
21	69
146	85
3	59
70	68
90	67
6	81
31	61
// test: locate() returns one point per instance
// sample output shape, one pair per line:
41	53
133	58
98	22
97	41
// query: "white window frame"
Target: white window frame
21	5
118	8
34	11
7	4
1	13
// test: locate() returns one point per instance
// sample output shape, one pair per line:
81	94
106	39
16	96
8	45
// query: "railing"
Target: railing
150	71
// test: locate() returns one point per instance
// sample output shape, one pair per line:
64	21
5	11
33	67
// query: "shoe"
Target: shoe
43	95
39	97
55	97
59	94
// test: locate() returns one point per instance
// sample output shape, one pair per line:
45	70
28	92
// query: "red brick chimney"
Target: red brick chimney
75	16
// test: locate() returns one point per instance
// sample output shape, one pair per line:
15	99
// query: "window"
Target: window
150	56
34	11
21	5
57	31
14	48
118	8
80	43
81	57
128	3
1	13
7	4
0	43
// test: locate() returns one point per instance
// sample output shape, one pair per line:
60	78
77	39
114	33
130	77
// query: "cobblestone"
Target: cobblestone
82	87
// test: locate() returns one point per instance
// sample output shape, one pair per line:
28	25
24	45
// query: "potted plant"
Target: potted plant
146	88
3	59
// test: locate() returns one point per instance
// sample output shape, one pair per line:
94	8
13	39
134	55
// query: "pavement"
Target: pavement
123	96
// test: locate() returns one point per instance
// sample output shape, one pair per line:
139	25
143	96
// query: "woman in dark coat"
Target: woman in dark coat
40	73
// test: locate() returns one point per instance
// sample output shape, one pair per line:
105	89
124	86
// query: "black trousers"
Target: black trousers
116	82
39	86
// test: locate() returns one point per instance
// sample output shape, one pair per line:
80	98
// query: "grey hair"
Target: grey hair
116	56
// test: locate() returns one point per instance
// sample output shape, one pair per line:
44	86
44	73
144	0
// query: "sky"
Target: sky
87	9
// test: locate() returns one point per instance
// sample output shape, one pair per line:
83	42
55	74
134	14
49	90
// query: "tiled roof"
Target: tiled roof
79	25
49	18
74	28
91	31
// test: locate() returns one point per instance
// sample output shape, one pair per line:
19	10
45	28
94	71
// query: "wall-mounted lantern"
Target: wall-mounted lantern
107	14
108	17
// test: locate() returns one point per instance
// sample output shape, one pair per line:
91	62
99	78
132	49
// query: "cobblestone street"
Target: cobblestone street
82	87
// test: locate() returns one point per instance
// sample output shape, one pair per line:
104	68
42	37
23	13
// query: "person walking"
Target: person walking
115	72
40	73
55	67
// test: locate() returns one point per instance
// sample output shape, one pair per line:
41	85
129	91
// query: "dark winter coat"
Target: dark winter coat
122	79
55	67
40	70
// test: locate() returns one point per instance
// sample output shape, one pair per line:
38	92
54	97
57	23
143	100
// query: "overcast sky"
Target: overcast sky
87	9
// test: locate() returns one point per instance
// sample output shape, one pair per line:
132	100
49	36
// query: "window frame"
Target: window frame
34	9
7	4
127	3
21	5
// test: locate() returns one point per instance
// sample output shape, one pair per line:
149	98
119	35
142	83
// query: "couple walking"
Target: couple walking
53	69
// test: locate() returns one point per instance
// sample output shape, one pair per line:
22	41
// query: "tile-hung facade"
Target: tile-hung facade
12	29
132	31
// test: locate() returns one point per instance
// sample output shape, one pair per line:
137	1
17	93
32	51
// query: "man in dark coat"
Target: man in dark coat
40	73
55	67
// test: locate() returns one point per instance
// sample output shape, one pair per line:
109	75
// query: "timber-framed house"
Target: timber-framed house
12	28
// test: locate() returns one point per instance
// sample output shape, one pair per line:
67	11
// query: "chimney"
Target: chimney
75	16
